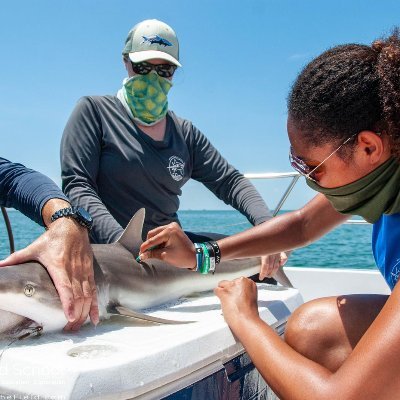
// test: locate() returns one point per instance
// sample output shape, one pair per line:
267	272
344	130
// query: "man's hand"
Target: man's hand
64	250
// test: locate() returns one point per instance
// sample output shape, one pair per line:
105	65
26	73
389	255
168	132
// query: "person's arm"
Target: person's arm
370	371
26	190
81	148
64	249
229	185
285	232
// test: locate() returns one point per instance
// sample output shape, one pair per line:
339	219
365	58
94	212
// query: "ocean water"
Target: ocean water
347	246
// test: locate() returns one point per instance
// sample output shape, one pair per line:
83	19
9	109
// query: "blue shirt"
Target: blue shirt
26	190
386	247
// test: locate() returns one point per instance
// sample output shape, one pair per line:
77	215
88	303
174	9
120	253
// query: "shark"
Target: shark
155	39
29	302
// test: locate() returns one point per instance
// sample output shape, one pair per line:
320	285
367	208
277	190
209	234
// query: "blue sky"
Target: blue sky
239	60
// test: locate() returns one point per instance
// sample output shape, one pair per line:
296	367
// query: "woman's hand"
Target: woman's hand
170	244
238	301
271	263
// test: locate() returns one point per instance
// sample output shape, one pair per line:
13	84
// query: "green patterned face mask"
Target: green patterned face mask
371	196
146	96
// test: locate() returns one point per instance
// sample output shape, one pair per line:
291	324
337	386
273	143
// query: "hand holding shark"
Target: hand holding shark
29	300
65	251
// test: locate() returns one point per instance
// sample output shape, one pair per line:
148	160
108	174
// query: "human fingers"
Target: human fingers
158	240
153	252
284	258
87	301
236	286
162	235
78	301
225	283
94	306
245	289
57	265
171	245
18	257
85	276
266	266
159	229
64	289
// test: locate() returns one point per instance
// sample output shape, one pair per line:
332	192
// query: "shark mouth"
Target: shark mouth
16	326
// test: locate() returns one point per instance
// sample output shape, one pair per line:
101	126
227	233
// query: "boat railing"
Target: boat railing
294	178
269	175
276	175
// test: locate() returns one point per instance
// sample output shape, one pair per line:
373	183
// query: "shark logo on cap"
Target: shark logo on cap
155	39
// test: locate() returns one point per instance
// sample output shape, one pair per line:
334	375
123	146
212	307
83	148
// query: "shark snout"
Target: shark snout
26	290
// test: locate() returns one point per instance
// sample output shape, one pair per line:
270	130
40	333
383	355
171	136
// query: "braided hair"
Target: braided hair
347	89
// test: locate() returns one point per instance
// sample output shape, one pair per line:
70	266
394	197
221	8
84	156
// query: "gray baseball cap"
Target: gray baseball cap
151	39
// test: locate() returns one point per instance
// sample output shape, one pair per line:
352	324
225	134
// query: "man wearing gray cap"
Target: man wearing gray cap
124	152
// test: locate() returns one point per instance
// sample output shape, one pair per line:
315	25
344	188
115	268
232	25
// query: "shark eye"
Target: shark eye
29	290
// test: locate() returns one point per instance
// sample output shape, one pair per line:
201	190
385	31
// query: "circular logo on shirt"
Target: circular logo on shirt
395	272
176	168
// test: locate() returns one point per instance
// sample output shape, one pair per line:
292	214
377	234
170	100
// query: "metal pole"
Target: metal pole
9	230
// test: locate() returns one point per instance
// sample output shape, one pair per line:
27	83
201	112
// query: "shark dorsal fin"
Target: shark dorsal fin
131	237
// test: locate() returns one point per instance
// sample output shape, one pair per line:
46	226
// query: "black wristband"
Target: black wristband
216	250
78	213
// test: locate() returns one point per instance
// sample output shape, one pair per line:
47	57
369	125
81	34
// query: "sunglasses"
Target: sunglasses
163	70
309	172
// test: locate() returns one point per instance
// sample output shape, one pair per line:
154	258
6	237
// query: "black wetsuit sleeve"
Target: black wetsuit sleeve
26	190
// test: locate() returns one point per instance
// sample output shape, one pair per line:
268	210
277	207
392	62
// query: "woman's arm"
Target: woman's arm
285	232
81	149
229	185
370	372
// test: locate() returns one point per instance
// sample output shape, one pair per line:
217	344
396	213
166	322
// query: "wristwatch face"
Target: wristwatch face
84	215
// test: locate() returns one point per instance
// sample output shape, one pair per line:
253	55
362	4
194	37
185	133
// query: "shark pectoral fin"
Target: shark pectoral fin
126	312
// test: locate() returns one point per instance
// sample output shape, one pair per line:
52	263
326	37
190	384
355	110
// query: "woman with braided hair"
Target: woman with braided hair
344	129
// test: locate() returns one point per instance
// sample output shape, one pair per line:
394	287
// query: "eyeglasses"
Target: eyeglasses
309	172
163	70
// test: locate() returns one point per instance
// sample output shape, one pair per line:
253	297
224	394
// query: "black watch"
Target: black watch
78	213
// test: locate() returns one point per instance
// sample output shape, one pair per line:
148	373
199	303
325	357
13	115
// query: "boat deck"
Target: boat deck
124	358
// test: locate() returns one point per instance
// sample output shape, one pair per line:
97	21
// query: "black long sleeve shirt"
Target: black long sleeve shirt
112	168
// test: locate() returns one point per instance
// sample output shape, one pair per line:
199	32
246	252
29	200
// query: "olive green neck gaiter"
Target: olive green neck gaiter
371	196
